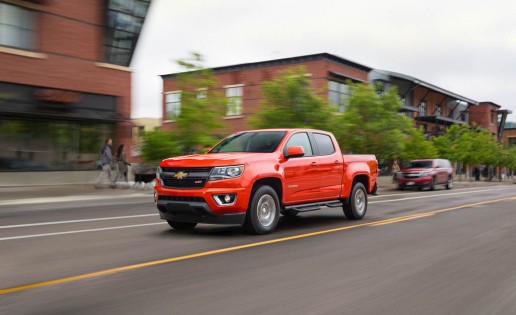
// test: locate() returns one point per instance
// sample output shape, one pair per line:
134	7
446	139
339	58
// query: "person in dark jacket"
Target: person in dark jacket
106	159
121	161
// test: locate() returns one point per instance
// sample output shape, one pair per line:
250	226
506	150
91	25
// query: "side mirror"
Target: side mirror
295	151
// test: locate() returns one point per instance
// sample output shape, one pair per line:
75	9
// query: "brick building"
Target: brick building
65	82
242	85
431	107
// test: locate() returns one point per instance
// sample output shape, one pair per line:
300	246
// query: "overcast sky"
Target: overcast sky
465	46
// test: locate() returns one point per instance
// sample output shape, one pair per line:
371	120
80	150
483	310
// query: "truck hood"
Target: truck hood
213	159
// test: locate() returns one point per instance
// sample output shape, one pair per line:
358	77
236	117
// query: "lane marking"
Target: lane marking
426	192
431	196
77	231
235	248
77	221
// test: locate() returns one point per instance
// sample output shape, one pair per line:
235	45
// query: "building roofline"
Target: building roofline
427	85
280	62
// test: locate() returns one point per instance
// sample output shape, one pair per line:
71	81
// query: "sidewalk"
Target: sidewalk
44	191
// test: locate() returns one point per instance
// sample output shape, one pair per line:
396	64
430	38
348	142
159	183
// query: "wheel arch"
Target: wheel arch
273	182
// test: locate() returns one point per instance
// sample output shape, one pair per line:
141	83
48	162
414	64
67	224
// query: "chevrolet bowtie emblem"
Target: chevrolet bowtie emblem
180	175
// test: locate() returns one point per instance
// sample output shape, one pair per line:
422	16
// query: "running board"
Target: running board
314	206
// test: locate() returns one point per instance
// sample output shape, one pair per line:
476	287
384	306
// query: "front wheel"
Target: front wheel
181	225
449	184
355	208
263	212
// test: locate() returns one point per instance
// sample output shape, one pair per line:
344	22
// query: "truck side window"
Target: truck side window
300	139
324	144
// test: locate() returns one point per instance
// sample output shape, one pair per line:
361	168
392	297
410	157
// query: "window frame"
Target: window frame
176	110
234	103
24	29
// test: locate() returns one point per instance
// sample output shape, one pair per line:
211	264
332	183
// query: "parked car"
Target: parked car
425	173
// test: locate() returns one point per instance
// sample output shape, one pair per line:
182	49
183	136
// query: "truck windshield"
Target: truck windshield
260	141
420	164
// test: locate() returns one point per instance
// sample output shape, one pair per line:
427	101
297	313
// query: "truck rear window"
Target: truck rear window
261	142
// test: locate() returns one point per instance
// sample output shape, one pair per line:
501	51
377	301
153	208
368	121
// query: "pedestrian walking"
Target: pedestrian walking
106	159
395	170
122	163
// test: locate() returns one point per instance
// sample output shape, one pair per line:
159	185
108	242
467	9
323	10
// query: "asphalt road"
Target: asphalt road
441	252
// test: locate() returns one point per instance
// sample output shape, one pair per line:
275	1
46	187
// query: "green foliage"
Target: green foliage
291	103
158	145
417	146
201	106
468	145
372	123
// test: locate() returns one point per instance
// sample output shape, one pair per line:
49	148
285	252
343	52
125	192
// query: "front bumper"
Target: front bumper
200	206
414	182
197	212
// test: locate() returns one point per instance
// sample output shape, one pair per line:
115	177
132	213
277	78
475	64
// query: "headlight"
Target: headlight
158	172
225	172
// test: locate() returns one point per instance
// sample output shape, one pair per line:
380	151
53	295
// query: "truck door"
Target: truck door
330	168
301	174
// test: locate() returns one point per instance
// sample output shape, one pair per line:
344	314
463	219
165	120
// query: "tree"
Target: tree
202	106
417	146
291	103
158	145
372	123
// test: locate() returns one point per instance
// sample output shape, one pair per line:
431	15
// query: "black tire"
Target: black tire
356	206
420	188
449	183
181	225
263	213
401	188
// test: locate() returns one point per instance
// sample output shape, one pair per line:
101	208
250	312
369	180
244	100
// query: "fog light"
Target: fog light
225	199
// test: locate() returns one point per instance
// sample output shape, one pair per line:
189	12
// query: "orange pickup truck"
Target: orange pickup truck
251	177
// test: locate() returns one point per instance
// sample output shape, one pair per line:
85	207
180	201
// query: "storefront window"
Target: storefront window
38	145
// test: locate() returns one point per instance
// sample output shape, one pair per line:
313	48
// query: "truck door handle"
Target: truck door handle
337	163
313	164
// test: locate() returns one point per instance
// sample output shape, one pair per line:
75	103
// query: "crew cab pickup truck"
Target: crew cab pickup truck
251	177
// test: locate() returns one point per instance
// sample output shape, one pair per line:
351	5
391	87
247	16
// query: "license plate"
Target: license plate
410	183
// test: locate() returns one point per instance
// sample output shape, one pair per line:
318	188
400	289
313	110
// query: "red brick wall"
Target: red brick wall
70	37
481	115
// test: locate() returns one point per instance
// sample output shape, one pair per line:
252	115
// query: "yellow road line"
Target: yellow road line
235	248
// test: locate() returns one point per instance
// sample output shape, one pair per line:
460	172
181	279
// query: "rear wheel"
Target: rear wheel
263	212
356	207
181	225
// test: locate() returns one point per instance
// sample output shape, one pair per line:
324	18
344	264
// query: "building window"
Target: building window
438	111
493	118
17	27
124	21
173	105
202	93
234	96
338	95
422	108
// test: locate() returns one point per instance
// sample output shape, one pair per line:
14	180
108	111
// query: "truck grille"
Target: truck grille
181	198
174	177
410	175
